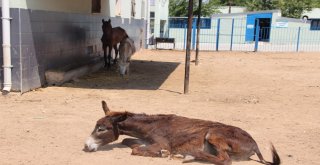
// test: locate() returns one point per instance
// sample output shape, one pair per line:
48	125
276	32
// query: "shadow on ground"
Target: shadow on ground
144	75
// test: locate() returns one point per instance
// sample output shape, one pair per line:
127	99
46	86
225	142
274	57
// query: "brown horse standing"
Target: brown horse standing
110	38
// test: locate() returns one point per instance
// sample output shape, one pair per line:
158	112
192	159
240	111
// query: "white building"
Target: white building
158	18
63	34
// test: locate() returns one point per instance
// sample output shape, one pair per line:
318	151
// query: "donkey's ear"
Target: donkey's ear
109	20
119	118
103	21
105	107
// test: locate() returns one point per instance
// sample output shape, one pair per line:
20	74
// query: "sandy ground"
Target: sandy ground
275	97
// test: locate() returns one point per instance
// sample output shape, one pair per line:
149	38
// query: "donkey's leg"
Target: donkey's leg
221	159
116	51
133	143
153	150
216	151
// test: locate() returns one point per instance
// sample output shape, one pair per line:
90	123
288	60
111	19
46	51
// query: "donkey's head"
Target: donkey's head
106	129
128	46
106	26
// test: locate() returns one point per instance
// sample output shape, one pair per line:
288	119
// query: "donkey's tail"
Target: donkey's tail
275	157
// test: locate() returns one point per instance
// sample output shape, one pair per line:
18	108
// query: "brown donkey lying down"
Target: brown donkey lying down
164	135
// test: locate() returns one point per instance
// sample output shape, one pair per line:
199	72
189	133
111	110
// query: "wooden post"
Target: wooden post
187	65
198	32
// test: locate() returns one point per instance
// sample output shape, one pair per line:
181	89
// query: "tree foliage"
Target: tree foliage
295	8
315	3
233	2
289	8
179	8
257	5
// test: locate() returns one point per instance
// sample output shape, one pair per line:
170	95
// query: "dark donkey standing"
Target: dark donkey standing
110	38
164	135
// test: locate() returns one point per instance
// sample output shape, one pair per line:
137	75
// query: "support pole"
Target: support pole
257	35
218	34
198	32
298	40
6	45
187	65
232	31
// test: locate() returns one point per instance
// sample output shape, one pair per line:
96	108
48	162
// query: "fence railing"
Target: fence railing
236	35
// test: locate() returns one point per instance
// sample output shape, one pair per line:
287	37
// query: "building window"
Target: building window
96	6
152	14
151	26
133	8
315	24
118	8
205	23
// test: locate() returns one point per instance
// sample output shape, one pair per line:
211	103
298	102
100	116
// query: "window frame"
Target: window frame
95	6
317	26
205	23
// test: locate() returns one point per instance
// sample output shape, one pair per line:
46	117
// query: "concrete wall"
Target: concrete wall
43	40
289	34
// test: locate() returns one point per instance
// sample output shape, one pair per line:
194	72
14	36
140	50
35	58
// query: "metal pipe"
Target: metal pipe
6	45
232	31
147	16
298	40
257	36
218	35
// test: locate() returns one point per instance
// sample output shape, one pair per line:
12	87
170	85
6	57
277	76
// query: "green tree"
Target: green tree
257	5
179	8
295	8
233	2
289	8
316	3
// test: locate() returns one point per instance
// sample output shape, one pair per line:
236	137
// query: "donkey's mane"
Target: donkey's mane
141	115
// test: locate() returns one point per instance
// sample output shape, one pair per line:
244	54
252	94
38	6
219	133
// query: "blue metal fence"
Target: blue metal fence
231	34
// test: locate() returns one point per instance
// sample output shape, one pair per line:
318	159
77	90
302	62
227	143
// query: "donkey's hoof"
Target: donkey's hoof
188	159
164	153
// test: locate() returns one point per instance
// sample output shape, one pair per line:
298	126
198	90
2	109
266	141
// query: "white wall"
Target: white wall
81	6
72	6
234	9
161	10
314	13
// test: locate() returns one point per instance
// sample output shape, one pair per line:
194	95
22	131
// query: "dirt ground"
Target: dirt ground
273	96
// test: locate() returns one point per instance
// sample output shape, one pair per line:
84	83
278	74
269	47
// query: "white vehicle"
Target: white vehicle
313	14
